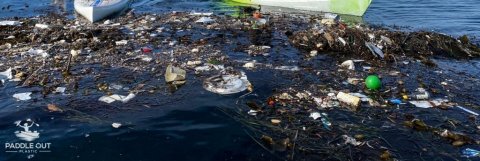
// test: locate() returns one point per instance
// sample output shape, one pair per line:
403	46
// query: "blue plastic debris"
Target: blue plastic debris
396	101
470	153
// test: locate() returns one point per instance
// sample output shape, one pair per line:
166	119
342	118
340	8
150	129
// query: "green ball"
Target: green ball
373	82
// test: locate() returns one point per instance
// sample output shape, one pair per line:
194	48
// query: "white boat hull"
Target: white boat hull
94	12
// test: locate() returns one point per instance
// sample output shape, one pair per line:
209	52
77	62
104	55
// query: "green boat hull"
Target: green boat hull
348	7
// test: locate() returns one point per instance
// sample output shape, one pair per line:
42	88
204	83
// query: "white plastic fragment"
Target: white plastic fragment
194	13
194	63
22	96
7	74
428	104
315	115
342	41
5	46
205	20
41	26
371	36
107	22
318	101
249	65
348	64
121	42
386	40
75	53
351	140
252	112
227	83
288	68
9	23
353	81
313	53
115	86
60	90
37	52
112	98
362	97
129	97
116	125
332	16
208	67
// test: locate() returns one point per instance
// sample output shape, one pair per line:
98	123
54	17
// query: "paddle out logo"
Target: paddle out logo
28	134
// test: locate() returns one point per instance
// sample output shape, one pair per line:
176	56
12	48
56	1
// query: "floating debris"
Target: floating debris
116	125
194	13
249	65
275	121
41	26
194	63
54	108
38	52
23	96
253	112
60	90
121	42
288	68
351	140
377	52
315	115
348	99
467	110
470	153
175	75
205	20
429	104
6	75
9	23
112	98
227	83
349	64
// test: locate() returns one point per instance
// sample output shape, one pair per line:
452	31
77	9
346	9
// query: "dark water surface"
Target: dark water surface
186	125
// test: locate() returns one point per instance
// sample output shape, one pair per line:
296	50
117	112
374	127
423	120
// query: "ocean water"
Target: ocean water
190	124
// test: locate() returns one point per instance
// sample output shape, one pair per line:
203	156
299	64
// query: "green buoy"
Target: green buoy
373	82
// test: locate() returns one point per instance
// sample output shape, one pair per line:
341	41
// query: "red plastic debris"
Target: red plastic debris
271	102
146	50
342	26
257	15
